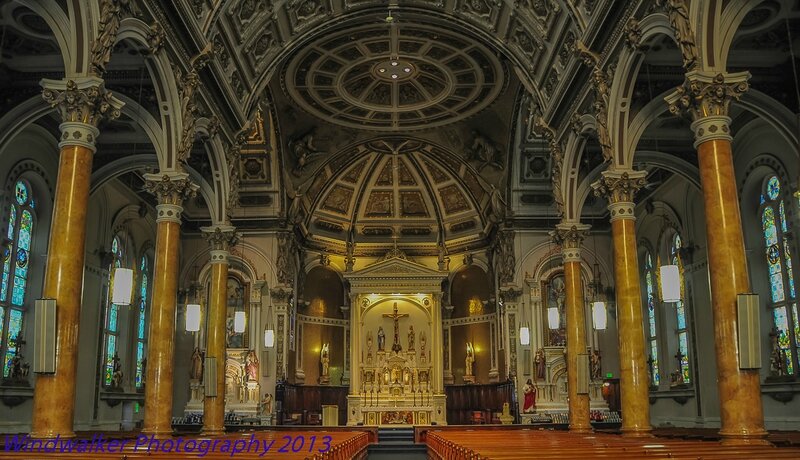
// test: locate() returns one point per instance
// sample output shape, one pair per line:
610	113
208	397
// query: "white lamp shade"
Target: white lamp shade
599	317
269	338
192	317
553	318
122	286
670	283
238	322
524	336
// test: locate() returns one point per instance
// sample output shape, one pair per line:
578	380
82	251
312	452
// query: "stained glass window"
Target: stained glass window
111	329
15	256
680	310
780	274
655	376
140	329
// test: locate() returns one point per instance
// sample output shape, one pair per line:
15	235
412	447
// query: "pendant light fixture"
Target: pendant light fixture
269	330
524	330
193	308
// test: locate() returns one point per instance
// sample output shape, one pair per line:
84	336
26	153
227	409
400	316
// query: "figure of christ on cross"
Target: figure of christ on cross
396	347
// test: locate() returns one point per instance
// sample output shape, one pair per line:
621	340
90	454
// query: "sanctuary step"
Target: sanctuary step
397	443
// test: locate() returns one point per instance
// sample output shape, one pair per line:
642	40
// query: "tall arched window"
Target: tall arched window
680	311
781	277
111	324
144	289
649	277
16	265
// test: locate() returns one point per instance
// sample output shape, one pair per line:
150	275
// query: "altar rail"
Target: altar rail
302	404
465	402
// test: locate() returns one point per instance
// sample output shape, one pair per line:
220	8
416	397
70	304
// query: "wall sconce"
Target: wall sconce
670	283
599	316
122	286
553	318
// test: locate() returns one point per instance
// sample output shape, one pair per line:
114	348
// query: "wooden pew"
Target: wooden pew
477	444
344	445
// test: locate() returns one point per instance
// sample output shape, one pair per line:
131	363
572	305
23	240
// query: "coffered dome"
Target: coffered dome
403	188
388	78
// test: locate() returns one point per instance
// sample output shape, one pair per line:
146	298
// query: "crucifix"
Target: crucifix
396	317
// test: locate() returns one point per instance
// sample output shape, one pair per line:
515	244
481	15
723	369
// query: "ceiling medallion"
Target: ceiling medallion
394	70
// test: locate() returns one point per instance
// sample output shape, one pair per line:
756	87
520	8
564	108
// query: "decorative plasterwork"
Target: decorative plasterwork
397	275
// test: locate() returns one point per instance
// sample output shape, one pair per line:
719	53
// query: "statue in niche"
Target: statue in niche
116	375
324	359
596	365
529	404
251	366
678	12
381	339
411	337
469	360
541	364
369	342
484	151
196	372
777	357
266	404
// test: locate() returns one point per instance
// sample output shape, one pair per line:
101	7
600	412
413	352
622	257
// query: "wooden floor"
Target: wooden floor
479	444
283	445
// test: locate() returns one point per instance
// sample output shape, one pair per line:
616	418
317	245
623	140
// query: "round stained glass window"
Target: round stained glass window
21	192
772	254
22	258
773	187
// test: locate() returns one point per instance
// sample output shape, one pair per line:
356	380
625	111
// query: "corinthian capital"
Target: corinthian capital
619	188
220	237
705	94
83	100
170	187
570	236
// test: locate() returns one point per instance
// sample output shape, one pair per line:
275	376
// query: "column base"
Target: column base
637	433
52	435
739	439
213	431
581	429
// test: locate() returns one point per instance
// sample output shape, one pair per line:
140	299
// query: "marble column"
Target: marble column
171	189
510	295
82	104
569	236
220	237
619	187
706	98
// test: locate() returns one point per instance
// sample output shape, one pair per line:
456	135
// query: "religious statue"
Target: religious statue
396	347
777	357
541	364
116	375
266	404
251	367
411	337
304	151
529	404
678	12
196	372
469	360
485	151
596	368
369	344
381	339
324	359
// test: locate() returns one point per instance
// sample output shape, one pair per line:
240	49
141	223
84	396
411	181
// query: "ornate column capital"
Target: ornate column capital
706	98
82	103
170	188
510	293
280	296
221	238
619	187
570	236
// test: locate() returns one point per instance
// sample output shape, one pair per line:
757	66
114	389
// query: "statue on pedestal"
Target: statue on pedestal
196	372
529	405
422	353
251	366
596	366
324	359
266	404
411	337
541	364
116	376
381	339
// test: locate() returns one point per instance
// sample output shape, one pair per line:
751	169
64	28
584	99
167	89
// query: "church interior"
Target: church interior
564	226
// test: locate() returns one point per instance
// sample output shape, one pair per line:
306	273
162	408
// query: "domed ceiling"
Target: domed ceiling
396	187
393	77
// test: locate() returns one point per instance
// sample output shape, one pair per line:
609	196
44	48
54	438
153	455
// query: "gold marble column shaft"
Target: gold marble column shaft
220	238
82	105
570	236
170	189
706	98
619	188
